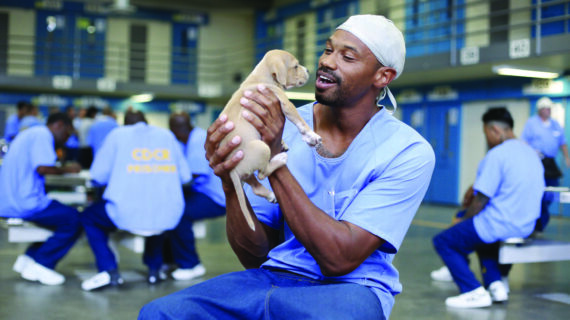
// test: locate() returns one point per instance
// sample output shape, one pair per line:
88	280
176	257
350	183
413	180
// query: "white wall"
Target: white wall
473	145
159	52
477	15
117	49
21	42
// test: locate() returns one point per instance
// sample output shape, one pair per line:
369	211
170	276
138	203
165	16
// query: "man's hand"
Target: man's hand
265	114
217	154
73	167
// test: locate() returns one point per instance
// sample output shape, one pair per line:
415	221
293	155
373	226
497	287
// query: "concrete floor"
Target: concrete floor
421	298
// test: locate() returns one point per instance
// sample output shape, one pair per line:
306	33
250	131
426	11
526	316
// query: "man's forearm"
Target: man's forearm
338	247
478	203
251	247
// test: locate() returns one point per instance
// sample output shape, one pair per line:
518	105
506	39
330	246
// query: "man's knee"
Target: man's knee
439	241
152	310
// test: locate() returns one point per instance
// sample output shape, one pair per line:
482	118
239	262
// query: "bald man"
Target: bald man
204	197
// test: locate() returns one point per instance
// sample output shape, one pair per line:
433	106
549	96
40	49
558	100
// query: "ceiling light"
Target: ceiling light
520	72
143	97
310	96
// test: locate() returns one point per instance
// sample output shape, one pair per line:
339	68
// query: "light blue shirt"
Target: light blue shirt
144	170
512	176
22	191
11	129
205	181
545	138
377	184
99	130
28	122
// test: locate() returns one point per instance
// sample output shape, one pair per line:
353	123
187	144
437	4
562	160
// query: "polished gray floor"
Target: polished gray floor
420	299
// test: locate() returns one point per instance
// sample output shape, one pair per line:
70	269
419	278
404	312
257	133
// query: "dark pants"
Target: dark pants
456	243
265	294
98	225
547	199
181	239
64	222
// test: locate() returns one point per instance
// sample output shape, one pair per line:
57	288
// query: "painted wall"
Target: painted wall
473	146
21	49
117	49
477	24
159	51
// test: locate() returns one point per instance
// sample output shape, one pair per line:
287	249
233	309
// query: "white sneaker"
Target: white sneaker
505	281
100	280
188	274
441	274
21	263
498	291
36	272
477	298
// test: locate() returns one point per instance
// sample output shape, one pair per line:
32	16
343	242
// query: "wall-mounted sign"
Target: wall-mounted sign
442	93
544	86
519	48
187	106
106	84
61	82
469	55
409	96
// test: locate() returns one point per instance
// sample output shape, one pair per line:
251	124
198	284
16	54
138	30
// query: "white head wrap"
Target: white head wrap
383	38
544	102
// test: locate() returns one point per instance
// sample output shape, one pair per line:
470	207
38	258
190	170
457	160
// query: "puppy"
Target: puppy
278	71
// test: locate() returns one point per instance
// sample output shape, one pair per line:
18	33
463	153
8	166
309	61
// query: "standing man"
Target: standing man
508	189
144	170
13	121
325	249
204	197
22	195
546	137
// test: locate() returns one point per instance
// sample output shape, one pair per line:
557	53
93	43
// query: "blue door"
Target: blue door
439	125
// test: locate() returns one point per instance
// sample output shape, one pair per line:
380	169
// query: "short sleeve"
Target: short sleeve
488	175
387	205
104	160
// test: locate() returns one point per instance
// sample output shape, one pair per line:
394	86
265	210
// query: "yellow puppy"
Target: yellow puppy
278	70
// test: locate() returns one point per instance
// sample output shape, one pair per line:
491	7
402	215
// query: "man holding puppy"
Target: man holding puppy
325	250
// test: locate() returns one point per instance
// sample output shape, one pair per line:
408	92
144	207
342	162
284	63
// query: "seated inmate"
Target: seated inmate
508	191
144	170
30	157
325	249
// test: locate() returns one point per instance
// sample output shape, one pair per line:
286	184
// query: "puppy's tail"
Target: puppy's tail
241	198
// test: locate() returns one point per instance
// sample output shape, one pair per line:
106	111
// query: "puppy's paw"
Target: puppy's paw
280	159
311	138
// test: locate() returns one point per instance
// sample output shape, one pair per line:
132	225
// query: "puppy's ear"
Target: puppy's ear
279	71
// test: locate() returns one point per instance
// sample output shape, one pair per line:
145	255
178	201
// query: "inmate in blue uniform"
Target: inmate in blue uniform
144	170
11	128
28	122
377	184
204	198
22	194
546	138
511	175
99	130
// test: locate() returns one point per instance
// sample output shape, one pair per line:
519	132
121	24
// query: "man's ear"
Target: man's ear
383	76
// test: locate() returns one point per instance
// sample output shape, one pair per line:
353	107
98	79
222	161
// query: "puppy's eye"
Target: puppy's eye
297	66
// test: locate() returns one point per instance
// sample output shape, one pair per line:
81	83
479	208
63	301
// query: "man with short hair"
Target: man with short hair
325	249
546	137
13	121
204	197
30	157
507	189
143	170
100	128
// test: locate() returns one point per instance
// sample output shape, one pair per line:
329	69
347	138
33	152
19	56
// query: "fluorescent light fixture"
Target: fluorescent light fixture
310	96
520	72
143	97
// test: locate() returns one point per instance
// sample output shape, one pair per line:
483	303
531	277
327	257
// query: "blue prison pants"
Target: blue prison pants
64	222
98	225
455	244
